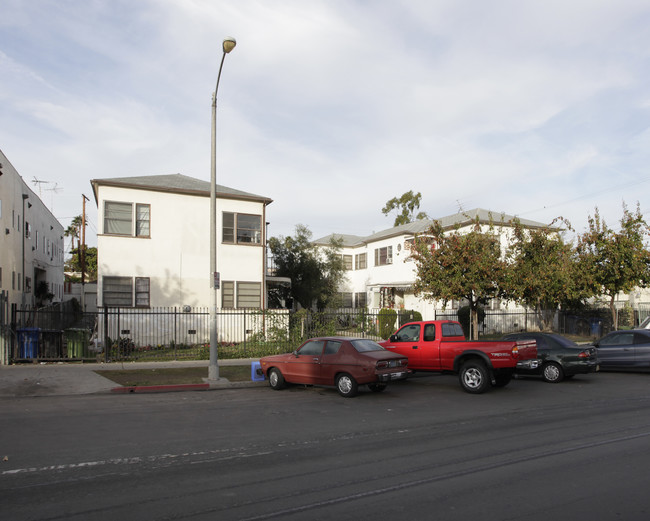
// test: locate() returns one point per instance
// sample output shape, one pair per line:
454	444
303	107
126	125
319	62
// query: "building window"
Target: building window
28	285
383	256
241	295
249	295
346	300
119	219
228	294
118	291
361	261
360	300
240	228
347	262
142	221
142	292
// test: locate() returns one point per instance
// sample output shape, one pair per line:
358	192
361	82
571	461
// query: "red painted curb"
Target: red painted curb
160	388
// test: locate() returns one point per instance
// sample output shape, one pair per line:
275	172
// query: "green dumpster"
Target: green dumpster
77	342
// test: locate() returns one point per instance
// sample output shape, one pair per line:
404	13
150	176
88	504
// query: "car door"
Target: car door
616	350
304	367
641	350
407	342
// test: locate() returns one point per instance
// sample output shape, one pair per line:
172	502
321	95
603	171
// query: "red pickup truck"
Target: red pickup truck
440	346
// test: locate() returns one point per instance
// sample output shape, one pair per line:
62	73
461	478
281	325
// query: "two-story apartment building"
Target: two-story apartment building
153	243
380	270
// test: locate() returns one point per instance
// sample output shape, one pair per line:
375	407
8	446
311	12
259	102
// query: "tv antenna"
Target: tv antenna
55	190
38	182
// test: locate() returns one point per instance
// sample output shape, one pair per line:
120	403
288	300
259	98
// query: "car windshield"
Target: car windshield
363	345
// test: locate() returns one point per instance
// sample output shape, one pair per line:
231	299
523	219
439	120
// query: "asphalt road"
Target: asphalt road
424	449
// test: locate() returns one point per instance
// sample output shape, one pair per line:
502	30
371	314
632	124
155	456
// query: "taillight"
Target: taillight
584	354
515	351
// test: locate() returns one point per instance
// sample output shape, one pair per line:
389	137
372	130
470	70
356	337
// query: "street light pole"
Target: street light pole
213	369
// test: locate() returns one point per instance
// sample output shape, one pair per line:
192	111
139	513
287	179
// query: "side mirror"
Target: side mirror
393	338
295	353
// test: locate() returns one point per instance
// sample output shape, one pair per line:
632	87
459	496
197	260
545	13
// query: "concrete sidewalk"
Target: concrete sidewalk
65	379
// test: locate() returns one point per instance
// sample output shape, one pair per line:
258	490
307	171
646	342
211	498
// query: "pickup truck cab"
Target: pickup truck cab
440	346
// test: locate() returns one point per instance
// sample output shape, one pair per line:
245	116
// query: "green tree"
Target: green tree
73	264
615	261
542	271
406	205
315	272
457	266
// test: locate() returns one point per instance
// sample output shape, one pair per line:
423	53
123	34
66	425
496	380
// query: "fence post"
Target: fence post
106	338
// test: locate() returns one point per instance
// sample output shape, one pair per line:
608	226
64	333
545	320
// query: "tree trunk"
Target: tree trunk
612	309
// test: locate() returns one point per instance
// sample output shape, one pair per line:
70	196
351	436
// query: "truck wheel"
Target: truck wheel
346	385
552	373
474	377
276	380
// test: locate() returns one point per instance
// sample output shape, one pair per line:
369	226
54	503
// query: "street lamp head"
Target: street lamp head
229	44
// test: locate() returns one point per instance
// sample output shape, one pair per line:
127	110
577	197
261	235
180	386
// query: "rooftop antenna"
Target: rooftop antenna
55	190
38	182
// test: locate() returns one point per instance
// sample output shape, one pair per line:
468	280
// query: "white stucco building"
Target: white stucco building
380	271
31	243
154	238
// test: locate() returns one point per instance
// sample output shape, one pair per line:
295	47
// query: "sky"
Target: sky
333	107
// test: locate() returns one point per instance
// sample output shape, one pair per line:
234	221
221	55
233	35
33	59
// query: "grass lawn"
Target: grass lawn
166	376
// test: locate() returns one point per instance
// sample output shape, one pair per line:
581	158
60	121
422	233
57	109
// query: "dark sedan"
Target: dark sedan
559	357
339	361
625	350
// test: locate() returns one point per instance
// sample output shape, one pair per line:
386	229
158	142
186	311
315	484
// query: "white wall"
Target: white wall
176	256
43	250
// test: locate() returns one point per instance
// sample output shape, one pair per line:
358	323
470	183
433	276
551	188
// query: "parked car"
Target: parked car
343	362
625	350
645	324
559	357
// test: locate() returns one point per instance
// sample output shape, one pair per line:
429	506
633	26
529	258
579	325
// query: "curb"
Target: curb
185	387
160	388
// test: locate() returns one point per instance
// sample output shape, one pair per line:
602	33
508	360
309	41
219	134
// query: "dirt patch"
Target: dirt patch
174	376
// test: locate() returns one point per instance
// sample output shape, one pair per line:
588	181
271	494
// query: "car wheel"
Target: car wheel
552	373
276	380
474	377
346	385
377	388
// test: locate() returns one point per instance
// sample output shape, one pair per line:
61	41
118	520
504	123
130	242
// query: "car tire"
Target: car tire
474	377
276	380
552	373
377	388
346	385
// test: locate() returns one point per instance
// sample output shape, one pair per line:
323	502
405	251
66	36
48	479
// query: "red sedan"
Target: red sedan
343	362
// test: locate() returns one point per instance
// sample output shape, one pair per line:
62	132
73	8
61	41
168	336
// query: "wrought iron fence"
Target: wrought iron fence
63	332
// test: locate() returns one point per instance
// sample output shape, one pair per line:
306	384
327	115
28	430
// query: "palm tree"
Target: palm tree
73	231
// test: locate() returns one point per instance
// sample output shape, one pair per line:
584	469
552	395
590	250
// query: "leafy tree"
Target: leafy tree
315	272
542	271
406	205
74	264
615	261
455	266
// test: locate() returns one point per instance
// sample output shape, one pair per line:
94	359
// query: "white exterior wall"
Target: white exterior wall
176	255
43	249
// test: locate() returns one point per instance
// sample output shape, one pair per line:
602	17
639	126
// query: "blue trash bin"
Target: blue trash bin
28	342
256	372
